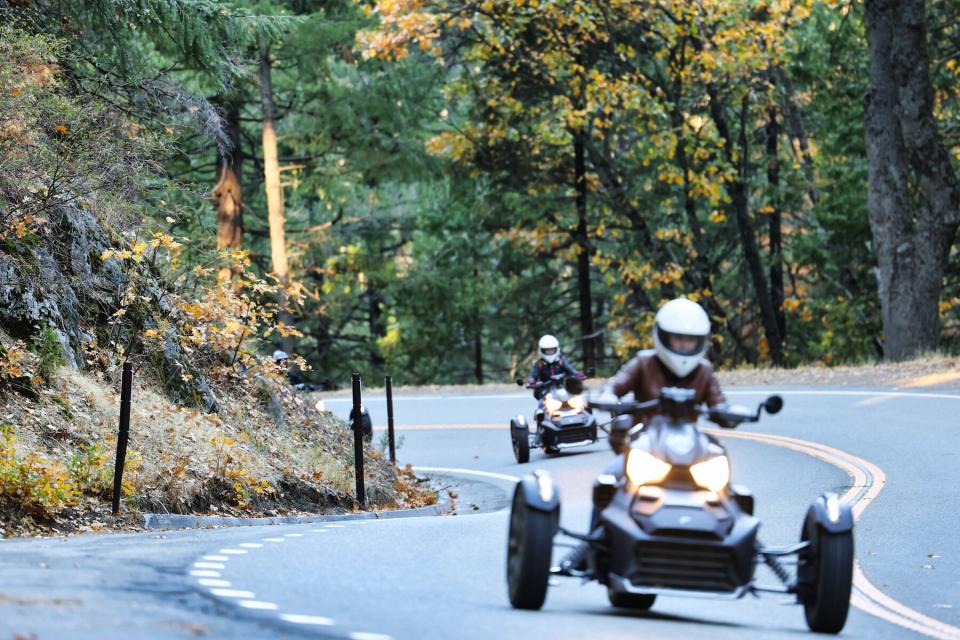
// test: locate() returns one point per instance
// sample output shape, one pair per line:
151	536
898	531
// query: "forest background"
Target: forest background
428	186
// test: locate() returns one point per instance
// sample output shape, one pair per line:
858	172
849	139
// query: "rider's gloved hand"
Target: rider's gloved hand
606	397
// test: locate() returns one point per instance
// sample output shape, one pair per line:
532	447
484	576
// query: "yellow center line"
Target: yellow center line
872	601
868	481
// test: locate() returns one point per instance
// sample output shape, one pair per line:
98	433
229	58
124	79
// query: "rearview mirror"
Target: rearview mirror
519	381
773	404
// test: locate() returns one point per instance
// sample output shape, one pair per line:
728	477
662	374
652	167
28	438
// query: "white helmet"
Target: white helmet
680	335
549	348
280	355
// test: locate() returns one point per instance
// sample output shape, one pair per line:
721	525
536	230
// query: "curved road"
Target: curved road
895	455
443	577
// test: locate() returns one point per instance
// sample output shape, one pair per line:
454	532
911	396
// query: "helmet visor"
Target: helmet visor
548	352
682	344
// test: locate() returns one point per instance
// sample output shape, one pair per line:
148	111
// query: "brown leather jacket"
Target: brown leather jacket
645	376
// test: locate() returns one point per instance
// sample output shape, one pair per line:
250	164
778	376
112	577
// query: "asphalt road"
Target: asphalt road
443	577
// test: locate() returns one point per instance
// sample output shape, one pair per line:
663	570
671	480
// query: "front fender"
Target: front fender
541	493
831	514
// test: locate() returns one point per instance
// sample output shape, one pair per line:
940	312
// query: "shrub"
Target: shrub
32	484
49	352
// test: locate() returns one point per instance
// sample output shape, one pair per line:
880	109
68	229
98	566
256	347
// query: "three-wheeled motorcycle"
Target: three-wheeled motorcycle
562	420
669	522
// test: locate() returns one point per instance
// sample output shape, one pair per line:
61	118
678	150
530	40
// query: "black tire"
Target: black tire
520	435
828	578
529	551
635	601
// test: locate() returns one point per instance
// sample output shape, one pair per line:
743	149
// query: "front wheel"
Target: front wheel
520	435
826	578
635	601
529	551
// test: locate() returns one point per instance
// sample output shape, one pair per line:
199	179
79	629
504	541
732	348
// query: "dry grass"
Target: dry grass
935	371
180	460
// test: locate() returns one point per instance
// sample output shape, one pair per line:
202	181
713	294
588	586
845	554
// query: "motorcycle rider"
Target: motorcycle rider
681	334
549	364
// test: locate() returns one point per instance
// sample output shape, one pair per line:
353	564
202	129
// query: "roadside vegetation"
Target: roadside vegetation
422	189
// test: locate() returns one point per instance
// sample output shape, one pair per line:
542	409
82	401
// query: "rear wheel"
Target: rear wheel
826	578
520	435
529	551
636	601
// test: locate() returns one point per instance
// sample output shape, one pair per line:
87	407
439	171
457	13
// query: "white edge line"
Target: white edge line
727	391
482	474
297	618
212	582
203	573
233	593
259	605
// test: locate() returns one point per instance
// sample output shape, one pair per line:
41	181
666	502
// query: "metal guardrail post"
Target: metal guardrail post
358	442
126	390
390	434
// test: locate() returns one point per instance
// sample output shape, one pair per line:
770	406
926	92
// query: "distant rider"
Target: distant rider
549	364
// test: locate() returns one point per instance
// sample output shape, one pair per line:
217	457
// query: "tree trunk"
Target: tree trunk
741	207
271	171
774	222
478	356
377	324
271	178
912	197
227	195
583	255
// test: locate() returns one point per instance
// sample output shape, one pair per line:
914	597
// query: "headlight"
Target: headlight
552	404
712	474
576	403
643	468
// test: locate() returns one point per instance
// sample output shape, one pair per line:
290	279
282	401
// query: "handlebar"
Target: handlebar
722	414
554	379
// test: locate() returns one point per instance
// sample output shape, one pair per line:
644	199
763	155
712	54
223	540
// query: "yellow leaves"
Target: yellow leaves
791	305
717	217
450	145
13	360
15	92
61	128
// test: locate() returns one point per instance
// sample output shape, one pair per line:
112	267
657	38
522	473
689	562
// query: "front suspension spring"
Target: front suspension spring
778	569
